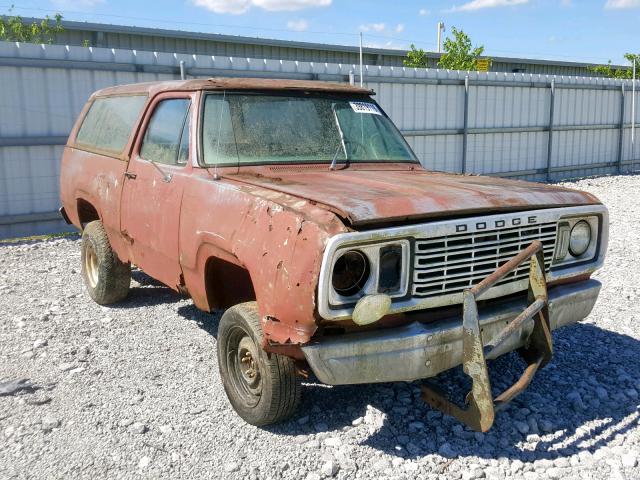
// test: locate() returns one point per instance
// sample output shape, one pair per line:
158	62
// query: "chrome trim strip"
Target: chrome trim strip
451	227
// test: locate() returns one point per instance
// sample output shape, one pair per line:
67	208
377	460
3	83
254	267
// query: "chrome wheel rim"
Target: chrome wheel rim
91	266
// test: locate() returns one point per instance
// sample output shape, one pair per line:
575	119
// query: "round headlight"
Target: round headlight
350	273
580	238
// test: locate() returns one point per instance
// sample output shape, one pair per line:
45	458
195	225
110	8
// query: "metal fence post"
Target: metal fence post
465	126
550	142
621	138
182	72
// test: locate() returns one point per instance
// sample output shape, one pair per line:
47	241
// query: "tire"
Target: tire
273	393
106	278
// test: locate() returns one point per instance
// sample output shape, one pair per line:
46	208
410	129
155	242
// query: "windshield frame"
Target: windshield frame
300	94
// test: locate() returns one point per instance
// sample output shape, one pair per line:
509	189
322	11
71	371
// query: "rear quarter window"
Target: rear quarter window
109	122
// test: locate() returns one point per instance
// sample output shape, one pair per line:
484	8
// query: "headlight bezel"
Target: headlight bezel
563	256
372	252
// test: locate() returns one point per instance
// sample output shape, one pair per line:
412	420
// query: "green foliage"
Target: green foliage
416	58
459	54
622	73
14	29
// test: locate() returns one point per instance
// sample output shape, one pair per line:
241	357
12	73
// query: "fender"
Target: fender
281	248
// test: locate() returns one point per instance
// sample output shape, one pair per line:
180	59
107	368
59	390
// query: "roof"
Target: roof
216	37
246	40
261	84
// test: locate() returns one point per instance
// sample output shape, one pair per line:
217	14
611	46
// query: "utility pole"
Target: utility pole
440	30
633	113
361	69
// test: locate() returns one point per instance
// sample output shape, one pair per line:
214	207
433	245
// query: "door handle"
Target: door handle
130	175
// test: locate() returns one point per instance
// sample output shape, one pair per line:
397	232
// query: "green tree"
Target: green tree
622	73
459	54
416	58
14	29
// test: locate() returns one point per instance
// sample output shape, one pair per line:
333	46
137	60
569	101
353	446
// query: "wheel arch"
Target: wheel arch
86	211
227	283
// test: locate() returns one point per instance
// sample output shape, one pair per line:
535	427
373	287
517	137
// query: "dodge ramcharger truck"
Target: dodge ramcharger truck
298	208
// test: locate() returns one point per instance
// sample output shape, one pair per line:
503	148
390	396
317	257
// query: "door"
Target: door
153	187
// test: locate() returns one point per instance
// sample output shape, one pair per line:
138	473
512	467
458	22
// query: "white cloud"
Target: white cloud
423	12
618	4
390	45
566	3
381	28
297	25
480	4
76	4
373	27
276	5
237	7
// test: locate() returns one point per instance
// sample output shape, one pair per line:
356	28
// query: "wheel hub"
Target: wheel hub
246	368
248	362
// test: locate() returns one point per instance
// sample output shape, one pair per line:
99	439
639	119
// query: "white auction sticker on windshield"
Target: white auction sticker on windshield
364	107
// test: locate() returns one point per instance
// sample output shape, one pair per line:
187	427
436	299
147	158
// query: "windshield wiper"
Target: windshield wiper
342	143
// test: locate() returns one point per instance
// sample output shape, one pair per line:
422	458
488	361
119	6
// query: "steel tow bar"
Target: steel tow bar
479	413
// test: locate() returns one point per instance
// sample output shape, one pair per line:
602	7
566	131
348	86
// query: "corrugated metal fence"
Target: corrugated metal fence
518	125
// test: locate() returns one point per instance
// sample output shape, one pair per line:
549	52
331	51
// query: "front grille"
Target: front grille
450	264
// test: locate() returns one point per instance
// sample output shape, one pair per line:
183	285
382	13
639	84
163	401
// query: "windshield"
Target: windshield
266	129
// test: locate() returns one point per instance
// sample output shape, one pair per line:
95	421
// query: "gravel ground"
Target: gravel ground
133	390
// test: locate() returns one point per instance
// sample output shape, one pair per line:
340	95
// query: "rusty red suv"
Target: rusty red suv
299	208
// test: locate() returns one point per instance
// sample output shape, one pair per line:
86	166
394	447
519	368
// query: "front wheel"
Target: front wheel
107	278
263	388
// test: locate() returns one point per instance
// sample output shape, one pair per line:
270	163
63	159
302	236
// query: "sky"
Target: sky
592	31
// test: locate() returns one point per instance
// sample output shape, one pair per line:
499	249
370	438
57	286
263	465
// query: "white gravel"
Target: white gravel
134	391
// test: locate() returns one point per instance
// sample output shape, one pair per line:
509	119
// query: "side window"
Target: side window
218	140
109	122
163	142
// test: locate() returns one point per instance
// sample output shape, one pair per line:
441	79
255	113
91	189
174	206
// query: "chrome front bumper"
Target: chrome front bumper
422	350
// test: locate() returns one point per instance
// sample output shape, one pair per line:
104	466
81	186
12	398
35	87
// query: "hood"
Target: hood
366	196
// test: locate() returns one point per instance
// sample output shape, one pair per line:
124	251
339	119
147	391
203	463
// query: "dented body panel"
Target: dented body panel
277	238
259	232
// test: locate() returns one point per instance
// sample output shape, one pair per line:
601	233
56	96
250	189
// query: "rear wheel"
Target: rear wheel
106	278
262	387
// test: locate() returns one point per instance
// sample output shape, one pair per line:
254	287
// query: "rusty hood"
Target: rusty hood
363	196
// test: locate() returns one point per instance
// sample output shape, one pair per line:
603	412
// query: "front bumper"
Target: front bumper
423	350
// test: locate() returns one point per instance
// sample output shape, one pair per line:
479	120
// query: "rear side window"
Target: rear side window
109	122
167	137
